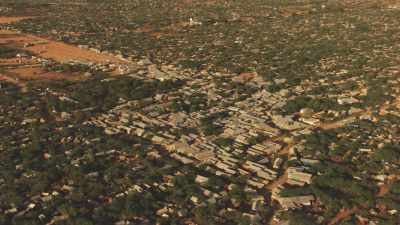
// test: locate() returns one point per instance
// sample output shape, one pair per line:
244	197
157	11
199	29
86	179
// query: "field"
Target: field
19	71
49	49
10	19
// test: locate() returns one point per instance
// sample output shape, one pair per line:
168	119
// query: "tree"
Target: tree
223	142
388	153
205	215
299	217
237	193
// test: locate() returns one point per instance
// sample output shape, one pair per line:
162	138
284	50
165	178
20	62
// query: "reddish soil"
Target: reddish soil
342	214
5	20
21	75
18	83
23	70
382	209
12	61
63	52
282	179
49	49
278	182
337	159
383	190
245	77
37	73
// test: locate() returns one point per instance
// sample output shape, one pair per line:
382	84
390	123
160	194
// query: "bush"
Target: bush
320	104
7	52
295	191
389	153
223	142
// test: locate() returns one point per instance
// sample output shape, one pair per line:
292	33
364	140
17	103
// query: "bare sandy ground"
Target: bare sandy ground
55	50
23	70
5	20
50	49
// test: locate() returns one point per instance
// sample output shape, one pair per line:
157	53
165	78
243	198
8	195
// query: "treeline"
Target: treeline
104	94
7	52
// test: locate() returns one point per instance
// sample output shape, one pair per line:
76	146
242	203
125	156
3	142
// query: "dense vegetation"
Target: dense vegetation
310	53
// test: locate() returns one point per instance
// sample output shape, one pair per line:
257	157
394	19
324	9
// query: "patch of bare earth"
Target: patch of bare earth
37	73
15	81
343	214
6	20
48	48
11	61
57	51
21	70
21	75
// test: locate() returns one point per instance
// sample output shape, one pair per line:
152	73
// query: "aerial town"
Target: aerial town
187	112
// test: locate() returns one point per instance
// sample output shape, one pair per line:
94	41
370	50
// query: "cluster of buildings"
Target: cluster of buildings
258	131
252	125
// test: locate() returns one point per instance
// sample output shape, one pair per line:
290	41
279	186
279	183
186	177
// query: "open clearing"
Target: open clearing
57	51
19	71
20	75
5	20
50	49
37	73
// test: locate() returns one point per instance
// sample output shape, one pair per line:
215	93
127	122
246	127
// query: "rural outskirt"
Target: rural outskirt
199	112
